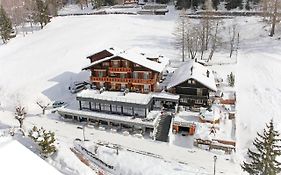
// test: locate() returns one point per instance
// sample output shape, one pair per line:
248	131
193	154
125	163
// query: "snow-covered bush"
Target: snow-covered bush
20	115
45	139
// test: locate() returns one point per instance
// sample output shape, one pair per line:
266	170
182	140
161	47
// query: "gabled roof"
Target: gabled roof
138	58
112	50
193	70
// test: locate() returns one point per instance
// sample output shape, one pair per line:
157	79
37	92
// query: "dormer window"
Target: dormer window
115	63
125	63
191	82
105	64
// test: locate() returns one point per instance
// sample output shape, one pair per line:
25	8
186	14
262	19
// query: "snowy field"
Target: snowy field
41	66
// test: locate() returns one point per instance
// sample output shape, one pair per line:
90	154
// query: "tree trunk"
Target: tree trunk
21	123
214	43
272	32
183	41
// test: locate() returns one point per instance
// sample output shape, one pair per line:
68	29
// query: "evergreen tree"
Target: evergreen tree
5	26
47	143
215	4
183	4
44	139
109	2
263	161
233	4
162	1
248	7
41	13
231	79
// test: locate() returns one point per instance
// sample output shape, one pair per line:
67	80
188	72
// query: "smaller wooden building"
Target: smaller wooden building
193	82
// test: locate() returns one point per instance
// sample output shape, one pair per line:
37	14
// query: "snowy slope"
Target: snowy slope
259	88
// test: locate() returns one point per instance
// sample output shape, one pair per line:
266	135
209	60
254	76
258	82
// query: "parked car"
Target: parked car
58	104
77	87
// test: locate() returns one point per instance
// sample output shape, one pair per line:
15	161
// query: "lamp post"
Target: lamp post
83	130
215	160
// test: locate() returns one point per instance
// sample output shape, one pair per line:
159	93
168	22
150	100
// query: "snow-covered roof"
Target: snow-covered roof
112	50
135	57
186	117
130	97
17	159
165	95
104	116
193	70
212	114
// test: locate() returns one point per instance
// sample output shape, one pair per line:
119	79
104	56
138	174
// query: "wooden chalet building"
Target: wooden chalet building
193	82
117	70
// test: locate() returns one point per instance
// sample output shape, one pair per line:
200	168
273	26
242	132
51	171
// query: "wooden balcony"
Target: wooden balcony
119	69
122	80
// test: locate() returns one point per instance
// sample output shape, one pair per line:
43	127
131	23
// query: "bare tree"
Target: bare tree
207	27
181	34
233	38
82	3
214	41
43	106
193	41
20	115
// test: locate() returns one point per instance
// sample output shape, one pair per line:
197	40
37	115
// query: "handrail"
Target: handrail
123	80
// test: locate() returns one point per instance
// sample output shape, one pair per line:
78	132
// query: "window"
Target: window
119	109
193	82
105	64
105	107
139	112
199	92
113	108
146	75
97	106
100	74
122	75
125	63
135	75
115	63
85	105
189	81
127	110
93	106
198	101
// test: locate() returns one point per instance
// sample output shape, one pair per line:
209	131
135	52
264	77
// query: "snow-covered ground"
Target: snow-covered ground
42	65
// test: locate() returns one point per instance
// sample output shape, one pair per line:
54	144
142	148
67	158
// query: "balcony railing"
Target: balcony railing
123	80
119	69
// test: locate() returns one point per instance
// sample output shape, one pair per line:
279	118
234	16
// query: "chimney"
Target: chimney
191	70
